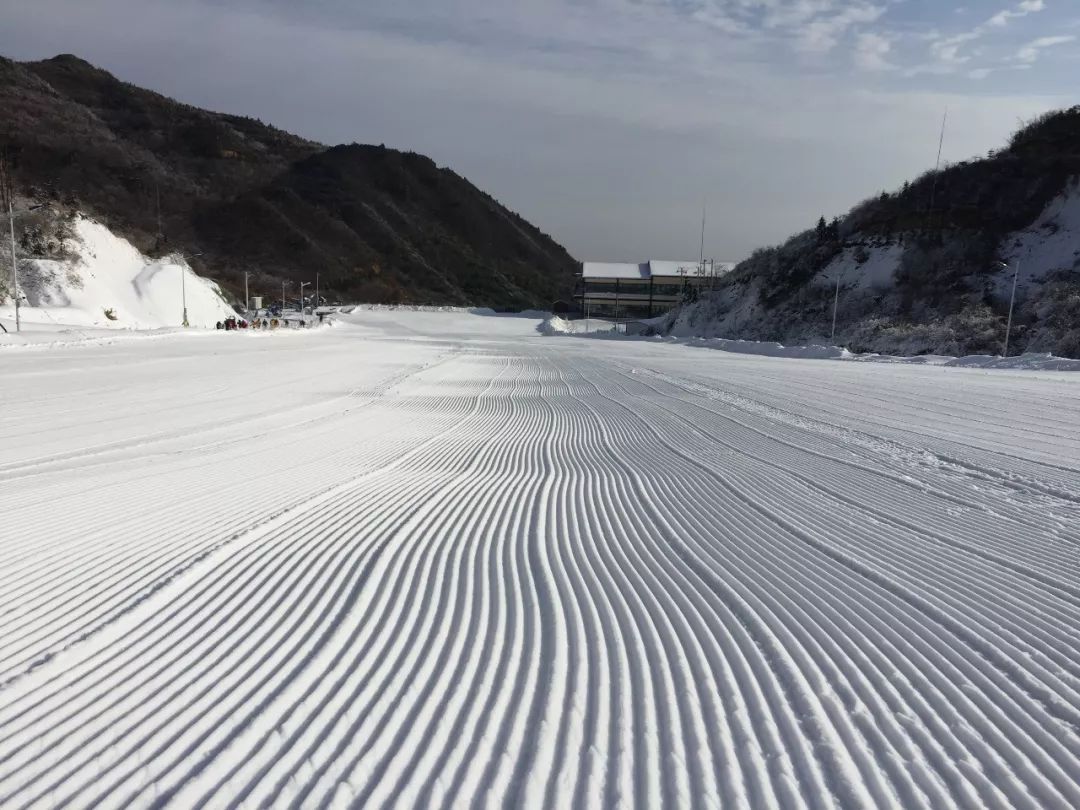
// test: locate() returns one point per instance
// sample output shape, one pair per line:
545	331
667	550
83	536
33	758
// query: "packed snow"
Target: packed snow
108	284
439	559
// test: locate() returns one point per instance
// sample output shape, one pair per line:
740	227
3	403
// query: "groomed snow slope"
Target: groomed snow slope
445	560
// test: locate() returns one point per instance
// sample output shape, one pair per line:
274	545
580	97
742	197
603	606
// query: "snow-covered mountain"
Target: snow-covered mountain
930	268
99	279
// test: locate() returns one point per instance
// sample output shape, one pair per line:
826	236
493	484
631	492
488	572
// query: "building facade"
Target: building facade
625	291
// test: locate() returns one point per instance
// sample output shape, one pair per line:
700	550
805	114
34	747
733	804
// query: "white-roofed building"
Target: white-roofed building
629	290
614	270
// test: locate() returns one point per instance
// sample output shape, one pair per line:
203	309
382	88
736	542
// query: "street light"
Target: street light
14	259
303	319
183	284
1012	301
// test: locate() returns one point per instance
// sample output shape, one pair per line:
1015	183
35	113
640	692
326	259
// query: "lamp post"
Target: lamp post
303	318
183	284
14	258
1012	302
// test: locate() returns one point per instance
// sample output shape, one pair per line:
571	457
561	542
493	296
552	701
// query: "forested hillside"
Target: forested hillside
376	224
920	268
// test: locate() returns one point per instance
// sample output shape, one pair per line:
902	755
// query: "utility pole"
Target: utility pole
247	298
14	261
316	292
283	300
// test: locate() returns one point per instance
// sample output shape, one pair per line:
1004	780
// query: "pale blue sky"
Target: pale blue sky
607	122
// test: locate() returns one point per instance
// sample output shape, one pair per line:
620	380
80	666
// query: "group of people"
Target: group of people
229	324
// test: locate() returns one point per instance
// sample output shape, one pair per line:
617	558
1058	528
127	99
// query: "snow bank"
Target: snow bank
109	284
769	349
1033	361
534	314
1043	361
555	326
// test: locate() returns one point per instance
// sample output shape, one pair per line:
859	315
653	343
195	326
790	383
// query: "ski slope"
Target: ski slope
437	559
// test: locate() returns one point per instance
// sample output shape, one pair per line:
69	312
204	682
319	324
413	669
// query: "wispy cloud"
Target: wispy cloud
823	34
953	51
1022	10
1030	52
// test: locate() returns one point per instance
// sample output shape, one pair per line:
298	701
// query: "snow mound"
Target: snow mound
109	284
1032	361
555	326
766	349
1041	361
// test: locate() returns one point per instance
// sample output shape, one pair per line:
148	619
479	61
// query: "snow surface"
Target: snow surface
436	558
1042	361
1051	244
108	273
876	271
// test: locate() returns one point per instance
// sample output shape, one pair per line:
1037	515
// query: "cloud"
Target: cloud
1022	10
1030	52
953	52
605	122
823	33
947	50
872	51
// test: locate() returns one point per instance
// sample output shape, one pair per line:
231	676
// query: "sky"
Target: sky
610	124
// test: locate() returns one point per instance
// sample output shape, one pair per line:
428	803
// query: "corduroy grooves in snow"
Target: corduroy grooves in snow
437	559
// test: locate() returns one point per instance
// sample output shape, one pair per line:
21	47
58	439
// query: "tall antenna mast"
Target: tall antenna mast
937	170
